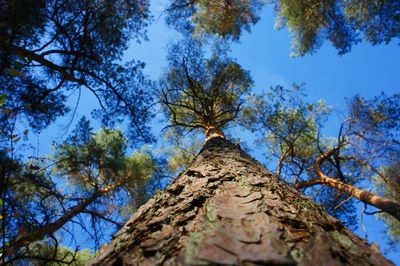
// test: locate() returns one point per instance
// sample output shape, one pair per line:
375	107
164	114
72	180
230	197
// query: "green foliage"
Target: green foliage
224	18
343	22
287	125
92	160
52	49
181	157
313	20
372	135
45	253
140	164
3	98
290	130
30	198
92	175
376	117
199	92
140	169
391	190
181	150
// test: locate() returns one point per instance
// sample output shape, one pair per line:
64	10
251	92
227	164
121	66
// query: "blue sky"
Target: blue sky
367	70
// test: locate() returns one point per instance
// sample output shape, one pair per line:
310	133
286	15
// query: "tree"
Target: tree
368	142
227	209
288	130
288	126
225	18
199	93
367	145
100	180
50	49
343	23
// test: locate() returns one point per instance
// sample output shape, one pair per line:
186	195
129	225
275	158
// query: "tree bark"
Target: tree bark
227	209
387	205
213	131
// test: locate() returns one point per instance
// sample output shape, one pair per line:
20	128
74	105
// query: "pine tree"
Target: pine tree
102	181
226	208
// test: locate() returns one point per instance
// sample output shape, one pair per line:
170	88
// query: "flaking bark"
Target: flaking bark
227	209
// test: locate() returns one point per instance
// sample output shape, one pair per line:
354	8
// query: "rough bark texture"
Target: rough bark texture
227	209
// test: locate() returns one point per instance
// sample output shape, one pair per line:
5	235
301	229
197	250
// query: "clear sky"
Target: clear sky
367	70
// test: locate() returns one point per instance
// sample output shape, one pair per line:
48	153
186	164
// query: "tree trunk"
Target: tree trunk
227	209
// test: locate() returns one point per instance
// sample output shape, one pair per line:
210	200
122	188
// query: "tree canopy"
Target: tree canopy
343	23
288	126
225	18
50	49
200	93
91	175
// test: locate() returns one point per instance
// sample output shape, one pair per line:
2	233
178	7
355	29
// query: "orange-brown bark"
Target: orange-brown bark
389	206
280	164
212	132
